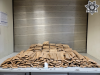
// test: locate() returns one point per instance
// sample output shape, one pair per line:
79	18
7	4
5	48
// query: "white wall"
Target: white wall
6	32
93	41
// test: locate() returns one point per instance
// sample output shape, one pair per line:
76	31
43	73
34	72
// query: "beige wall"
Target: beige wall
93	41
6	32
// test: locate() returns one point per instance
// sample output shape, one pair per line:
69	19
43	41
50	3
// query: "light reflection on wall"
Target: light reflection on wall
40	19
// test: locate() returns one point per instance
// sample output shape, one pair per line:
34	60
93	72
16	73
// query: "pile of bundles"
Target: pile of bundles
56	55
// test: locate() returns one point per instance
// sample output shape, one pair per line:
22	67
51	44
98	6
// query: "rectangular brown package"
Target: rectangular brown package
45	47
46	43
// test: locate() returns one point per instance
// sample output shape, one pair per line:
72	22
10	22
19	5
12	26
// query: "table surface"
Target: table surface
66	70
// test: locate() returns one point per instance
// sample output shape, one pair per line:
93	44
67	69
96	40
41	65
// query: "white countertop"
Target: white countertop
66	70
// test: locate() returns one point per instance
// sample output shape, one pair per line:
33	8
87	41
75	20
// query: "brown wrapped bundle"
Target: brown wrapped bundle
59	45
68	49
53	50
45	47
56	56
52	44
33	46
53	55
46	55
38	48
90	60
78	55
60	49
68	56
6	62
66	46
46	43
72	54
39	45
45	50
38	55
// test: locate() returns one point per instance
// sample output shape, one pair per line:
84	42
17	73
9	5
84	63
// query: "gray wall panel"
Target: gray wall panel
50	29
42	14
18	23
80	45
19	48
80	36
21	40
48	2
21	31
57	21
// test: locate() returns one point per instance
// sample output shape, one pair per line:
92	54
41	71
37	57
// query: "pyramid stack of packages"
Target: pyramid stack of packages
56	55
